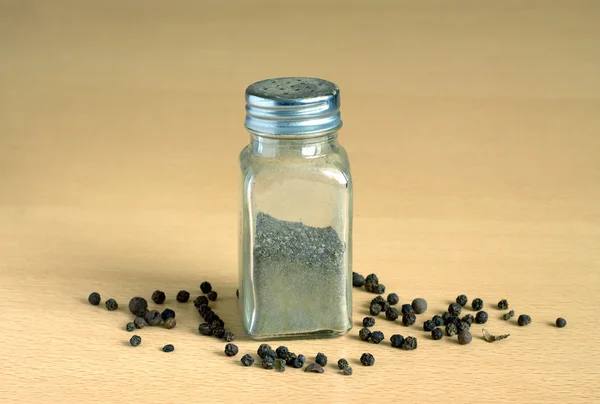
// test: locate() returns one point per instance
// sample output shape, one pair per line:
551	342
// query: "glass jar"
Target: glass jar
295	253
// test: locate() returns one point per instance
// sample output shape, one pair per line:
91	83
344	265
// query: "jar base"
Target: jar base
304	335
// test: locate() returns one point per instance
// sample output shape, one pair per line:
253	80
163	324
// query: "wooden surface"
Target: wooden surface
474	134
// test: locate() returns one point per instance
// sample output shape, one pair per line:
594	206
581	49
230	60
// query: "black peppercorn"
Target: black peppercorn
229	336
219	332
153	317
524	320
130	327
139	322
368	322
280	365
446	317
94	298
210	316
503	304
419	305
375	309
298	362
170	323
364	334
468	318
167	313
342	363
138	306
168	348
231	350
321	359
205	329
481	317
111	305
372	279
454	309
200	300
158	297
205	287
464	337
212	295
247	360
477	304
385	306
561	322
509	315
183	296
379	300
357	280
428	325
263	350
451	329
463	326
367	359
217	322
391	314
268	363
204	310
397	340
380	289
393	299
409	319
369	287
347	370
462	300
406	308
314	368
437	334
409	343
135	340
282	352
438	320
377	337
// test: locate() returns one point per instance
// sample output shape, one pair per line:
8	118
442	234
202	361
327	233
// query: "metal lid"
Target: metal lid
292	106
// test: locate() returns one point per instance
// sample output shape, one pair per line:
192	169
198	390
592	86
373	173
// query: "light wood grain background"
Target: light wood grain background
473	129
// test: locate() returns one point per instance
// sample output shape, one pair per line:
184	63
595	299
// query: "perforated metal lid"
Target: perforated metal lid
292	106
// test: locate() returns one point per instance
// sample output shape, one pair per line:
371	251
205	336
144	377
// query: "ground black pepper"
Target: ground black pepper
409	319
391	314
406	308
205	287
231	350
393	299
454	309
419	305
462	300
135	340
140	322
153	317
167	313
138	306
468	318
183	296
428	325
170	323
342	363
314	368
503	304
368	322
375	309
377	337
200	301
205	329
561	322
94	298
477	304
451	329
409	343
438	320
364	334
247	360
396	340
437	334
524	320
509	315
481	317
367	359
229	336
357	280
465	338
268	363
111	305
212	295
321	359
158	297
130	327
168	348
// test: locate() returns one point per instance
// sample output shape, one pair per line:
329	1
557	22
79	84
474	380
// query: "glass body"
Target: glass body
295	252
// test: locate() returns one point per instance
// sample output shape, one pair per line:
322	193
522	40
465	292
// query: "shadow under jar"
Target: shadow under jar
295	253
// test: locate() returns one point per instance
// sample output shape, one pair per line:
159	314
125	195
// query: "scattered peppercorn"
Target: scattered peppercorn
170	323
419	305
406	308
219	332
368	322
212	295
463	326
369	287
205	329
509	315
464	337
477	304
372	279
503	304
437	334
167	313
391	314
446	318
135	340
393	299
231	350
347	370
210	316
409	343
205	287
140	322
130	327
321	359
428	325
282	352
314	368
138	306
217	322
342	363
229	336
111	305
158	297
237	293
364	334
183	296
377	337
247	360
367	359
375	309
168	348
153	317
451	329
454	309
280	365
396	340
481	317
380	289
298	362
263	349
385	306
438	320
268	363
524	320
561	322
200	301
409	319
468	318
357	280
379	300
94	298
462	300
